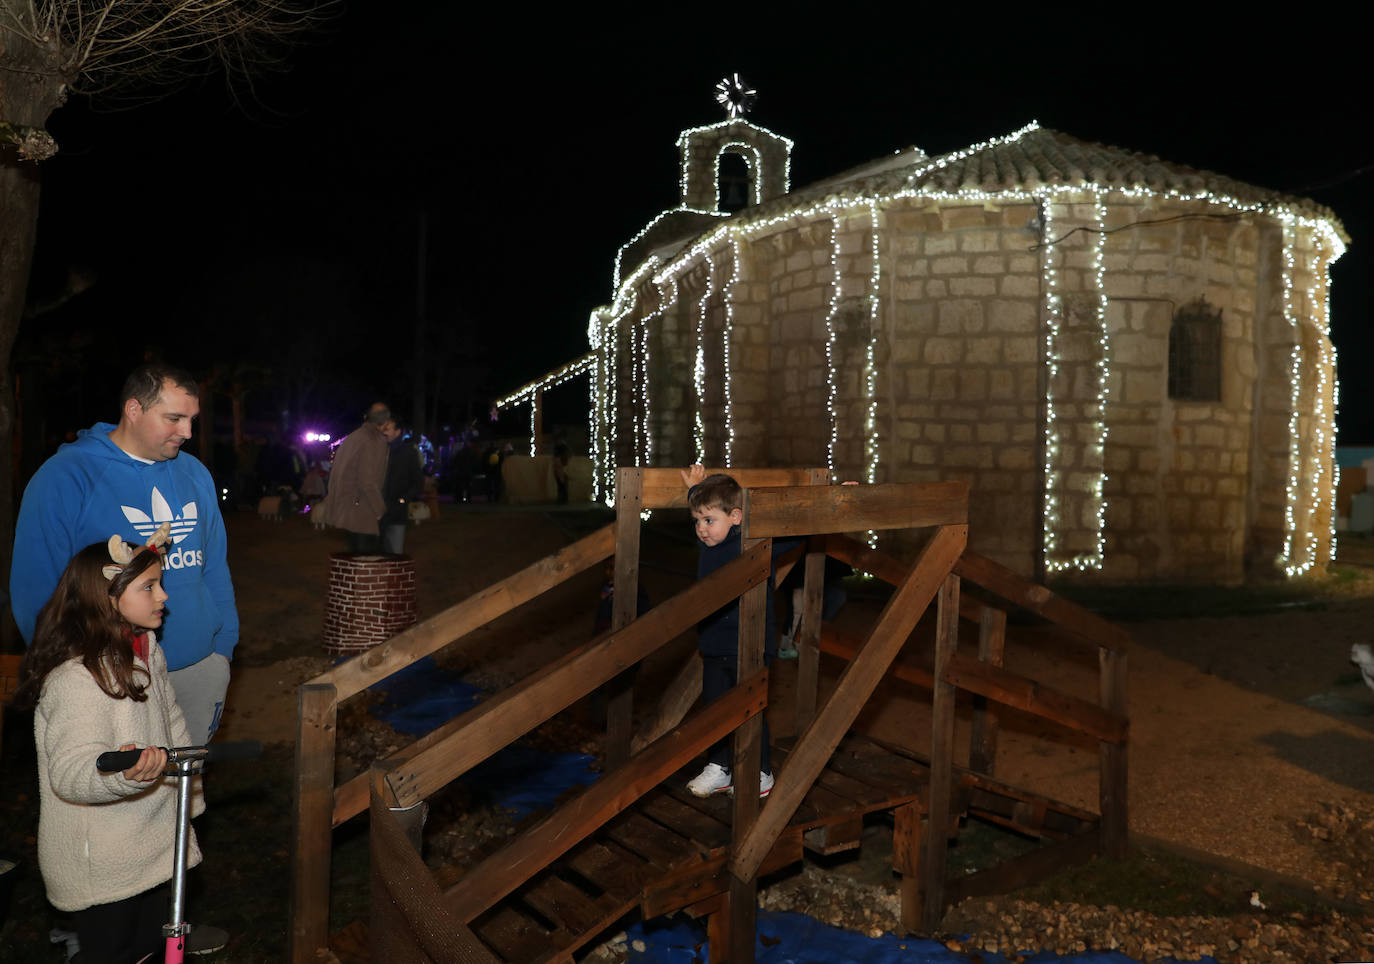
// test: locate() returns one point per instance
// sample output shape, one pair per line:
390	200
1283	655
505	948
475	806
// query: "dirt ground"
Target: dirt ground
1240	726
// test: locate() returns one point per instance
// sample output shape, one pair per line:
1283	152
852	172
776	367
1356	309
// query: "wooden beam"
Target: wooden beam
620	691
938	822
1024	870
906	860
808	646
855	685
316	718
698	882
887	568
494	723
664	489
1026	694
992	640
789	512
1112	796
491	880
360	672
835	642
1015	588
678	697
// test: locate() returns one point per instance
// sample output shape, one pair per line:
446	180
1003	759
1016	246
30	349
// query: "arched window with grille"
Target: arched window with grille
1195	353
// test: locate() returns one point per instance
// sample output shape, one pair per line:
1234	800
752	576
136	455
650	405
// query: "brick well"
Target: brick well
371	598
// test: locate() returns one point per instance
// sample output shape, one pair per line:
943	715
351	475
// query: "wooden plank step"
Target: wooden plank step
564	905
820	805
612	868
579	917
705	830
655	843
512	935
691	884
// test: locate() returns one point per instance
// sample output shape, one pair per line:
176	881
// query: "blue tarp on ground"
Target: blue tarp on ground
423	697
787	938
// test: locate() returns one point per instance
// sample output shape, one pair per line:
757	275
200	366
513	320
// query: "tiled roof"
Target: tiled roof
1039	157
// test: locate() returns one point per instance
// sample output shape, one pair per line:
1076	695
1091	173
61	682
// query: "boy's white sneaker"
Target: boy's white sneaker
713	779
765	782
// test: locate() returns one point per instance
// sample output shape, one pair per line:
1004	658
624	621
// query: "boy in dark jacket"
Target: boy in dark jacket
717	504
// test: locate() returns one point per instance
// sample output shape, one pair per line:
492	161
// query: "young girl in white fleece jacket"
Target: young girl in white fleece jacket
99	681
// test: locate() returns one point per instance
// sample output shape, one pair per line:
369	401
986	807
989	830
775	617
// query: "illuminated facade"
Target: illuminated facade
1128	360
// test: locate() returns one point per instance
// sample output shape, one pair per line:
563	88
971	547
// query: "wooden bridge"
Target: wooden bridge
635	839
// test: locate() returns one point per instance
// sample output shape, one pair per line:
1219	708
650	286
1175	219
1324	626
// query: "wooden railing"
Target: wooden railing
779	504
319	804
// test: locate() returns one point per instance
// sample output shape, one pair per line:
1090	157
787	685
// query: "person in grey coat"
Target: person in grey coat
355	502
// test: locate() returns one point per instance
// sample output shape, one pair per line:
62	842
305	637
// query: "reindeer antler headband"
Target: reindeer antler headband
123	554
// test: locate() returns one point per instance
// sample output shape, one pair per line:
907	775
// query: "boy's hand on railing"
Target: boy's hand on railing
693	475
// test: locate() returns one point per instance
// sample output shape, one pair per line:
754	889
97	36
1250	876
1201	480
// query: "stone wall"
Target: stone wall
942	367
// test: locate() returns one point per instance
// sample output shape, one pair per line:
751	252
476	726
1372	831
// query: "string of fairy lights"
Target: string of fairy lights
1069	457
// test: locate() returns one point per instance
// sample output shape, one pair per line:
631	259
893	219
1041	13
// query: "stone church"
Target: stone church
1128	360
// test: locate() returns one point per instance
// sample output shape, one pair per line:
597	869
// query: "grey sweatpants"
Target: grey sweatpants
200	690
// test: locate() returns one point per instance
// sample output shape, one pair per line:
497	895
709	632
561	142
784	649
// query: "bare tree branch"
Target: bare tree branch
104	46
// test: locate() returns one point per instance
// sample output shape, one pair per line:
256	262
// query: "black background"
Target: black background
283	232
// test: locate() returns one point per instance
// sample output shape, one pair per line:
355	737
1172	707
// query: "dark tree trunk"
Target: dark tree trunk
29	92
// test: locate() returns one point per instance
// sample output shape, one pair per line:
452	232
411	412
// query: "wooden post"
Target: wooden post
808	647
629	488
941	760
906	860
317	714
1112	799
748	752
992	637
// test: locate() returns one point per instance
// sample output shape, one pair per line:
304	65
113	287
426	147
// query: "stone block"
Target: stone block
1019	286
983	351
1019	458
936	289
1020	348
941	244
1008	315
1001	384
963	315
973	384
949	265
968	456
911	267
959	432
943	351
990	264
944	384
972	287
979	241
957	217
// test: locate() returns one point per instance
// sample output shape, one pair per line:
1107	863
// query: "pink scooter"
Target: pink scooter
183	763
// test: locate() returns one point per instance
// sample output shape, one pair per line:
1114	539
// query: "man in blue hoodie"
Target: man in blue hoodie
128	479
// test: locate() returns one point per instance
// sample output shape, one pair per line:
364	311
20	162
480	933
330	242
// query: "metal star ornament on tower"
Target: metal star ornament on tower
735	95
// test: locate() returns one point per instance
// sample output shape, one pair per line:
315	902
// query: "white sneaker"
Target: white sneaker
765	782
713	779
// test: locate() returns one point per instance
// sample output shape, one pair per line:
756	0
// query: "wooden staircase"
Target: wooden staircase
635	840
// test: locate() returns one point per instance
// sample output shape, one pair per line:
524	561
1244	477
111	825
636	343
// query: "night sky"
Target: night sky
285	232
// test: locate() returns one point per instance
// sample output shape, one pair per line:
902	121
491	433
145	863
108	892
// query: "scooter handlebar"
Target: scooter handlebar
116	761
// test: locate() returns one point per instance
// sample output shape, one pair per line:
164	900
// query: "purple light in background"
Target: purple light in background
316	436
